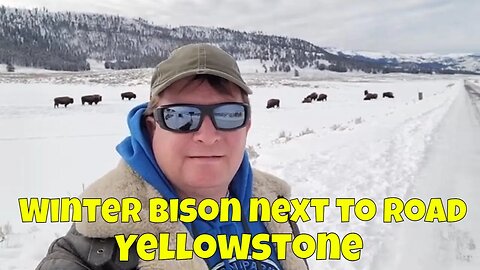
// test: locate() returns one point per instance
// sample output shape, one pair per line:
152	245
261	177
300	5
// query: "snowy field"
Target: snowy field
343	148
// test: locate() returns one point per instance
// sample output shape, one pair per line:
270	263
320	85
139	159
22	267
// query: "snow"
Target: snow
419	57
96	65
29	70
461	61
342	148
250	66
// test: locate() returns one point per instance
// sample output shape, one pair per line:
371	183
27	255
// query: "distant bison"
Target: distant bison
128	95
307	100
90	99
272	103
370	96
322	97
62	100
388	94
313	96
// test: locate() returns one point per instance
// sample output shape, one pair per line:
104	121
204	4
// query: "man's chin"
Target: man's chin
208	181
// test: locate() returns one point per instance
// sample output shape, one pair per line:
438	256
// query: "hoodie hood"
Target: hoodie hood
136	150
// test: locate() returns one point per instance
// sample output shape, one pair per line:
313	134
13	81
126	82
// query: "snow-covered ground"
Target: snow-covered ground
343	148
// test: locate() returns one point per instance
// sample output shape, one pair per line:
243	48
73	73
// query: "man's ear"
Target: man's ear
150	125
249	124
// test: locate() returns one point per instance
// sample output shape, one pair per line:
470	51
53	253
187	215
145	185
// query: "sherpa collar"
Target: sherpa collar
123	182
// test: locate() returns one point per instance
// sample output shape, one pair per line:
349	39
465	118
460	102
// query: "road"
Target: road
451	169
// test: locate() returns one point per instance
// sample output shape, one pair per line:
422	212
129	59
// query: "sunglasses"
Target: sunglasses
185	118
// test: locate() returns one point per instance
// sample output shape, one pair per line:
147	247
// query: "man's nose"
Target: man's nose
207	133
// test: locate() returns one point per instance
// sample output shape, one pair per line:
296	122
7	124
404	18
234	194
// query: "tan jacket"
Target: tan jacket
123	182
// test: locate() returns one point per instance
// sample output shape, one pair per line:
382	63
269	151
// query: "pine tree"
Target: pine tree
10	67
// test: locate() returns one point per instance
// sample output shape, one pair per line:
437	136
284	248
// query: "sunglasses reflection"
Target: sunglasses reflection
188	117
181	121
187	126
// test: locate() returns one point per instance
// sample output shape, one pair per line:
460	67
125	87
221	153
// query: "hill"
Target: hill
65	40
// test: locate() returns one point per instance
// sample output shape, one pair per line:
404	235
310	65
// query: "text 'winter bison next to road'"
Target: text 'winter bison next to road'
272	103
128	95
62	100
91	99
388	94
322	97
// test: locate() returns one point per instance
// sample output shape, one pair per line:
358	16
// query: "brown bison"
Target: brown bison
322	97
370	96
128	95
387	94
62	100
272	103
313	96
90	99
307	100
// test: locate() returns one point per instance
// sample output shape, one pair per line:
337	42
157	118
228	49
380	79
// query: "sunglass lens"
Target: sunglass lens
229	116
182	118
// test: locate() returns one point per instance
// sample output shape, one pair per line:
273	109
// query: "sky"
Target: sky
407	26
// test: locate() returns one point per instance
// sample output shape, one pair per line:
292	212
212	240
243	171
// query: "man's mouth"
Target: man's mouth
206	157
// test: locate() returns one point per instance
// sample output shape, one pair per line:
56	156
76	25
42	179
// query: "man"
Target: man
187	142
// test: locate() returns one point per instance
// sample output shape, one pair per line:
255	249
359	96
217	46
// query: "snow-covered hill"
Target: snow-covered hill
455	61
67	40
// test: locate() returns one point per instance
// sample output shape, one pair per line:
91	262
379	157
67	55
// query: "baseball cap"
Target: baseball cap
192	59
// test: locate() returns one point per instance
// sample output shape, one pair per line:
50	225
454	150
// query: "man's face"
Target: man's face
200	164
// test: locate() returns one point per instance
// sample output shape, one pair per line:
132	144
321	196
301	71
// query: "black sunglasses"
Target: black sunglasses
185	118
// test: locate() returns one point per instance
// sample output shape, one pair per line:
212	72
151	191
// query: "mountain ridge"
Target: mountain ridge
65	40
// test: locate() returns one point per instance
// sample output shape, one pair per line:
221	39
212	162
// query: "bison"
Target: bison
128	95
388	94
307	100
322	97
272	103
62	100
90	99
313	96
370	96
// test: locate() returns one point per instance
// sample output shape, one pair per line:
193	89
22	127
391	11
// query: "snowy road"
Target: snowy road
474	92
451	169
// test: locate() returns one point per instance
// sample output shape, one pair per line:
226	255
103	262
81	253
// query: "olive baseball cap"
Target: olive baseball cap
192	59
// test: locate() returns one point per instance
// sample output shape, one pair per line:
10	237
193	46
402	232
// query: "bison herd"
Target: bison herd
271	103
90	99
314	96
275	103
369	96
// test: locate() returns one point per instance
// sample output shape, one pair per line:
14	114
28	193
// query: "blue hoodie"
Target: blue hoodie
136	150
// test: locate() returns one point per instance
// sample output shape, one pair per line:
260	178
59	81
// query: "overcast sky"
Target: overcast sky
399	26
